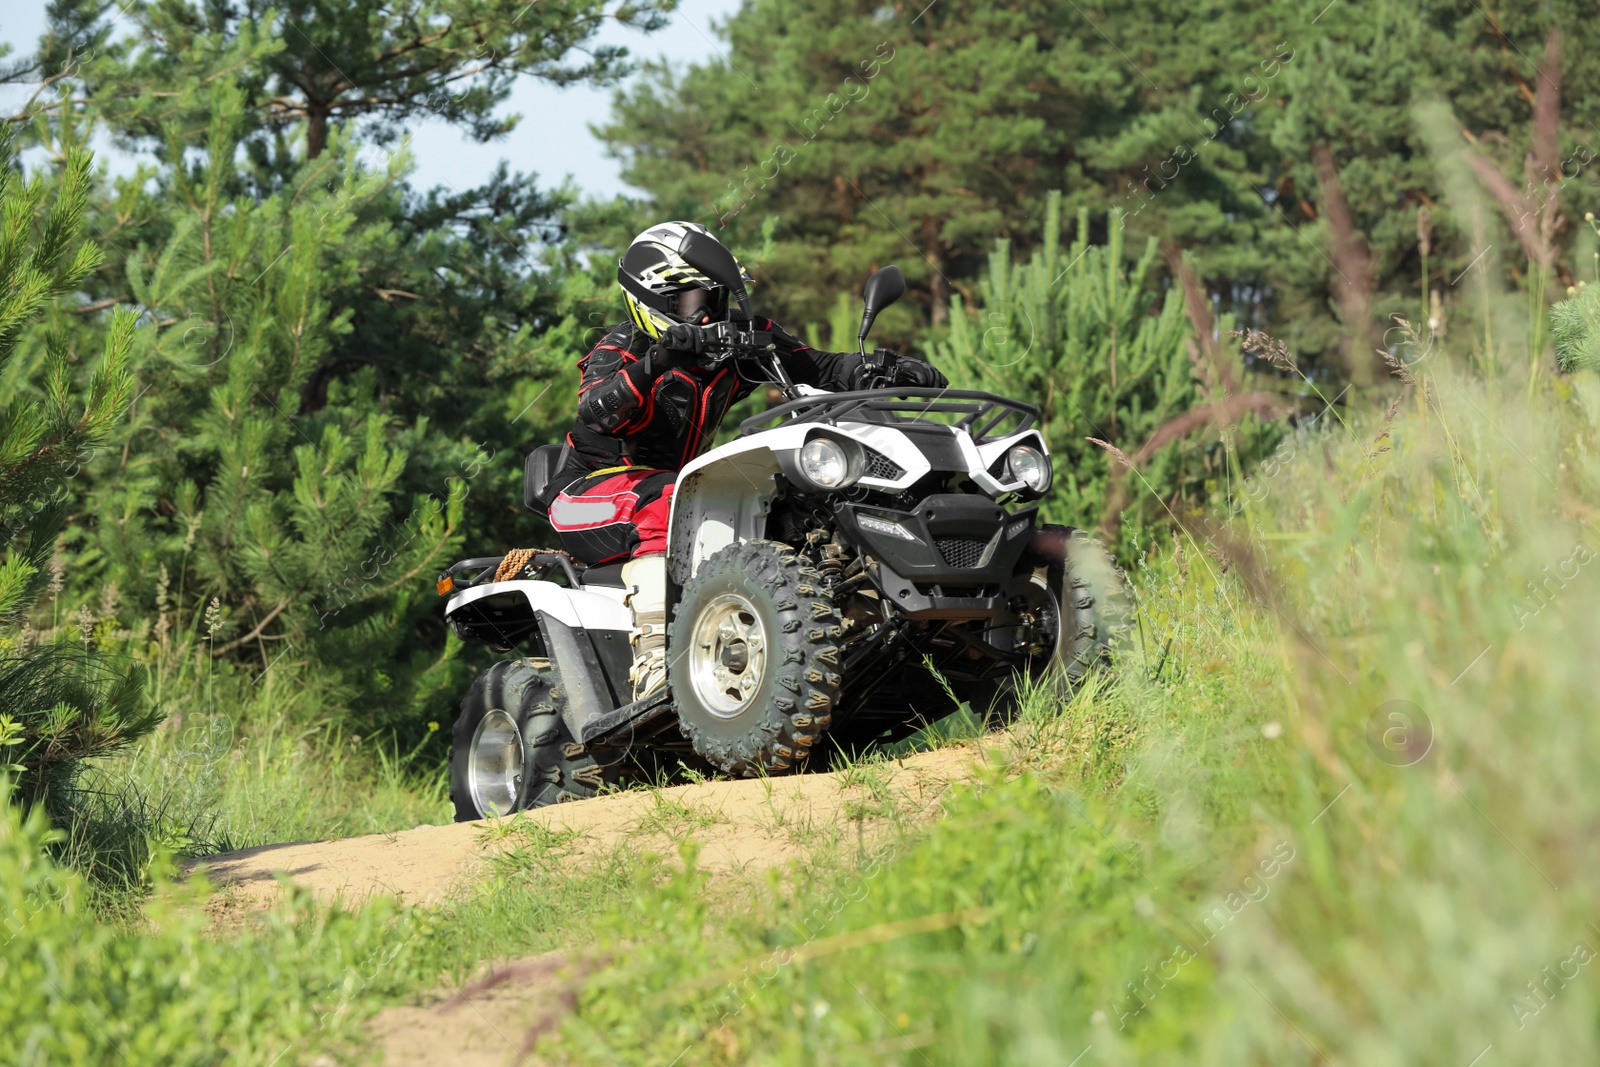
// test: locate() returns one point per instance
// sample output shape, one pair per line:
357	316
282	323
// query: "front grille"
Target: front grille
944	589
962	552
882	467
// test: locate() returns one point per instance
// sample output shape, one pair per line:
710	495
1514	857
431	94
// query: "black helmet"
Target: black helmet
661	289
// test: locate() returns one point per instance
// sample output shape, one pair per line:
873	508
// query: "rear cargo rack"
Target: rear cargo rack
481	569
981	414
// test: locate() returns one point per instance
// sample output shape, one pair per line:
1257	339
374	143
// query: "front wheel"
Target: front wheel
1080	613
753	658
1091	598
510	748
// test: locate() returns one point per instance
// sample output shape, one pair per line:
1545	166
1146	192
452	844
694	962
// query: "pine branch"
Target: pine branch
253	634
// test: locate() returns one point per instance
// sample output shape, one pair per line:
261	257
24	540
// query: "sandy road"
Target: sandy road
742	828
752	824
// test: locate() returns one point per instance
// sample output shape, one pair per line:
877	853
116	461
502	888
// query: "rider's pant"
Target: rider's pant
614	514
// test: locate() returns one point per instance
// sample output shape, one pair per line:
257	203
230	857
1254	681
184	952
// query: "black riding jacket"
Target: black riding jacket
631	413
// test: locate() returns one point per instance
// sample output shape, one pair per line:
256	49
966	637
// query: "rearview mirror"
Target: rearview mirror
883	288
708	256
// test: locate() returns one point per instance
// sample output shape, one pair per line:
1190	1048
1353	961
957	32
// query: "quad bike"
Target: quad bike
818	566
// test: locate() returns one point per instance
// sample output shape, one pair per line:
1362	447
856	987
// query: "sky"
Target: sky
553	138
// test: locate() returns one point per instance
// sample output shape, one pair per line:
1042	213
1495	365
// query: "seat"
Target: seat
538	472
609	575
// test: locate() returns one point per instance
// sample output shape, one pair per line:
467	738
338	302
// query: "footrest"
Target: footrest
616	725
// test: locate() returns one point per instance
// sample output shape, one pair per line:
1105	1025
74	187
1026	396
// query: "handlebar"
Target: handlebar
724	341
720	341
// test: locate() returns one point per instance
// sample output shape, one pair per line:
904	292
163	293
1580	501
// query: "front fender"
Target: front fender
722	498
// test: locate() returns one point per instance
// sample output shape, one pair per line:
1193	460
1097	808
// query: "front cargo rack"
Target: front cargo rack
979	414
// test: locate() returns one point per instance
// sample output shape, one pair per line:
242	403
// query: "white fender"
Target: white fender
722	498
597	608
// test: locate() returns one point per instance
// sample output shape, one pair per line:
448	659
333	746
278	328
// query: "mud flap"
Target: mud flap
586	692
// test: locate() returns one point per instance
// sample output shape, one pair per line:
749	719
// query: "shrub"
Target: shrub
1575	328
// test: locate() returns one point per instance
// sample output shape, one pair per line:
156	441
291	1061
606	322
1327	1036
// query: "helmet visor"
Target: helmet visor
693	304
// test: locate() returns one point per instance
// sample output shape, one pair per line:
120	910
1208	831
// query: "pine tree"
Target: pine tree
317	65
1143	418
289	521
335	364
875	137
59	703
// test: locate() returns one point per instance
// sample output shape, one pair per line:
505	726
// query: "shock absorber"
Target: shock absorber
831	565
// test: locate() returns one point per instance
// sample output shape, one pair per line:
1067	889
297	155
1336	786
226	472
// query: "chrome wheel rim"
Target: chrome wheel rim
494	764
728	660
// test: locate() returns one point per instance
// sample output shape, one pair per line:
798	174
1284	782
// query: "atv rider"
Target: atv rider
648	404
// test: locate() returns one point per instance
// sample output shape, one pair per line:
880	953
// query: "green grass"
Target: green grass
254	789
674	817
1336	809
74	990
535	899
200	785
293	986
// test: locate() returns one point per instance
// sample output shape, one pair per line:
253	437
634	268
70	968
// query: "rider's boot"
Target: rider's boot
646	582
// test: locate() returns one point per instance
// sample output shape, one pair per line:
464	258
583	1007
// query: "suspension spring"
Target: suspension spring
831	567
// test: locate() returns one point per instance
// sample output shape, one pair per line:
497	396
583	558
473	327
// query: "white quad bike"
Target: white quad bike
818	565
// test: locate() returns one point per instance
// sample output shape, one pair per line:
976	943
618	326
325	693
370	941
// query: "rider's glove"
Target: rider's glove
886	369
869	373
916	372
684	338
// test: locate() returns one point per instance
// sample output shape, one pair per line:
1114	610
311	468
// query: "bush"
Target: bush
1575	328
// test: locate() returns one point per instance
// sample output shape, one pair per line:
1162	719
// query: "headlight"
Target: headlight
1028	466
825	463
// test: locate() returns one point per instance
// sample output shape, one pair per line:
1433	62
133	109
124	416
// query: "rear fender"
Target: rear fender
584	633
511	610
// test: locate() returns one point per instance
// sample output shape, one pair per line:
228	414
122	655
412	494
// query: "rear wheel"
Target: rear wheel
753	658
510	748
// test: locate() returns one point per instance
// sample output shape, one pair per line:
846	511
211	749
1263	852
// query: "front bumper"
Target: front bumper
951	557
